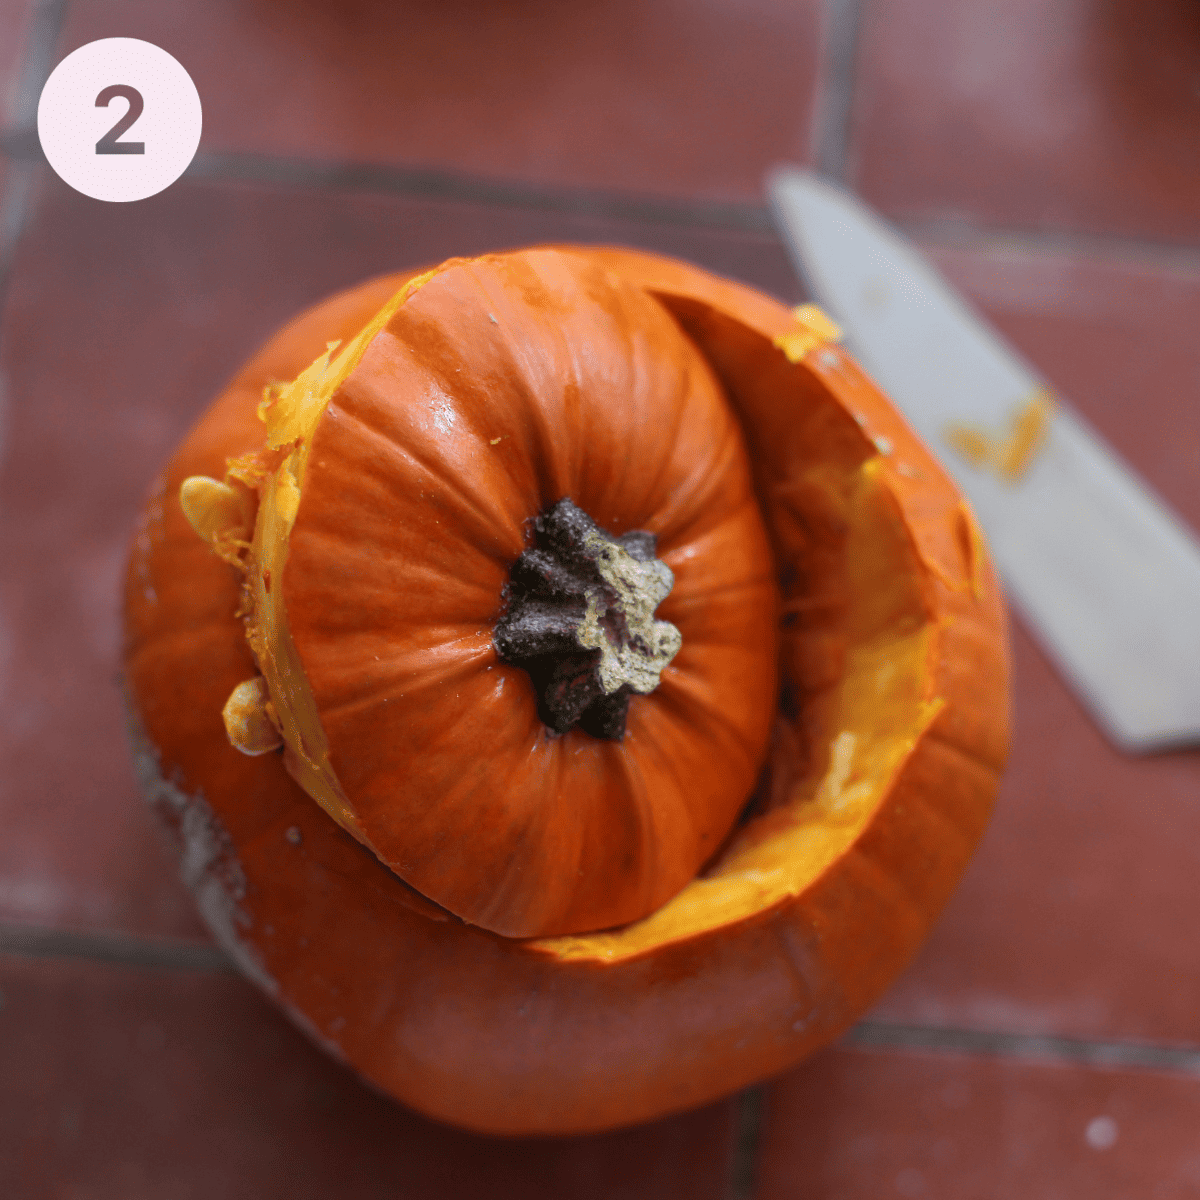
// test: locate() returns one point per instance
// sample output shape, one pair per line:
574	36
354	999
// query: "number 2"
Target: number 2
108	144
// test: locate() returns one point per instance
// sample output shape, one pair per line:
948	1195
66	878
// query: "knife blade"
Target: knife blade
1105	574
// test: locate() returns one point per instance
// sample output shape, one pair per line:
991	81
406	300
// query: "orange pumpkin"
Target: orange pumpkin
524	929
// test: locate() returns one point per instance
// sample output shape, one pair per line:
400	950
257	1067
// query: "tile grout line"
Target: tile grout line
20	145
15	208
877	1035
429	183
833	120
45	26
115	949
16	205
742	1183
33	941
748	217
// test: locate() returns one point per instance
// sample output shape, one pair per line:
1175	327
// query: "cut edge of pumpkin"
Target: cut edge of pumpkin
290	412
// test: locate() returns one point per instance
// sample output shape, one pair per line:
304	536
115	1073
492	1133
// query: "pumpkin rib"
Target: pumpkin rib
723	598
698	492
451	655
447	663
682	693
734	591
988	753
647	816
321	544
520	366
510	888
975	757
469	667
188	635
660	521
875	875
543	438
984	773
919	800
687	820
730	527
443	478
905	886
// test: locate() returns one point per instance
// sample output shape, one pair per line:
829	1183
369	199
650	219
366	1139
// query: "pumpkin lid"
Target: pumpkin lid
515	439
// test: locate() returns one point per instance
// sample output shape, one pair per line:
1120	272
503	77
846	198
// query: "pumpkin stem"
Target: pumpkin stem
580	620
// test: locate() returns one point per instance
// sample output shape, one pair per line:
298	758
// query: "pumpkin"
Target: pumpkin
621	686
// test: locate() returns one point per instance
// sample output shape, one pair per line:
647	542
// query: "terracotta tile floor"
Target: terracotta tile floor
1046	1042
909	1124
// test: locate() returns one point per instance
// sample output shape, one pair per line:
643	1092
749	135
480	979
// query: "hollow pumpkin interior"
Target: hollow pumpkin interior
854	733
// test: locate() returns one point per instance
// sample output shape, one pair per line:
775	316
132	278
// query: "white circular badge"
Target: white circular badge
119	119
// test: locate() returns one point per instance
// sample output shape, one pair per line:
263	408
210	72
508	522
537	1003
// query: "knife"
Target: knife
1106	575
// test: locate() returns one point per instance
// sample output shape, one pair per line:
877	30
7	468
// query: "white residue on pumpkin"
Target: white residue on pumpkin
208	864
444	416
305	1024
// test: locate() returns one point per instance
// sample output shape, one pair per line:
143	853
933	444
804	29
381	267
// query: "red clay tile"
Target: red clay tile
1034	114
120	1084
855	1125
121	322
663	96
1075	917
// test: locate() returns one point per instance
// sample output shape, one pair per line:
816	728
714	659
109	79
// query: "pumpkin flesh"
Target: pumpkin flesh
291	415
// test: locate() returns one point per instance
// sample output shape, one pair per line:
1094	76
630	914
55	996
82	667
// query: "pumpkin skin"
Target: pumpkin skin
884	760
